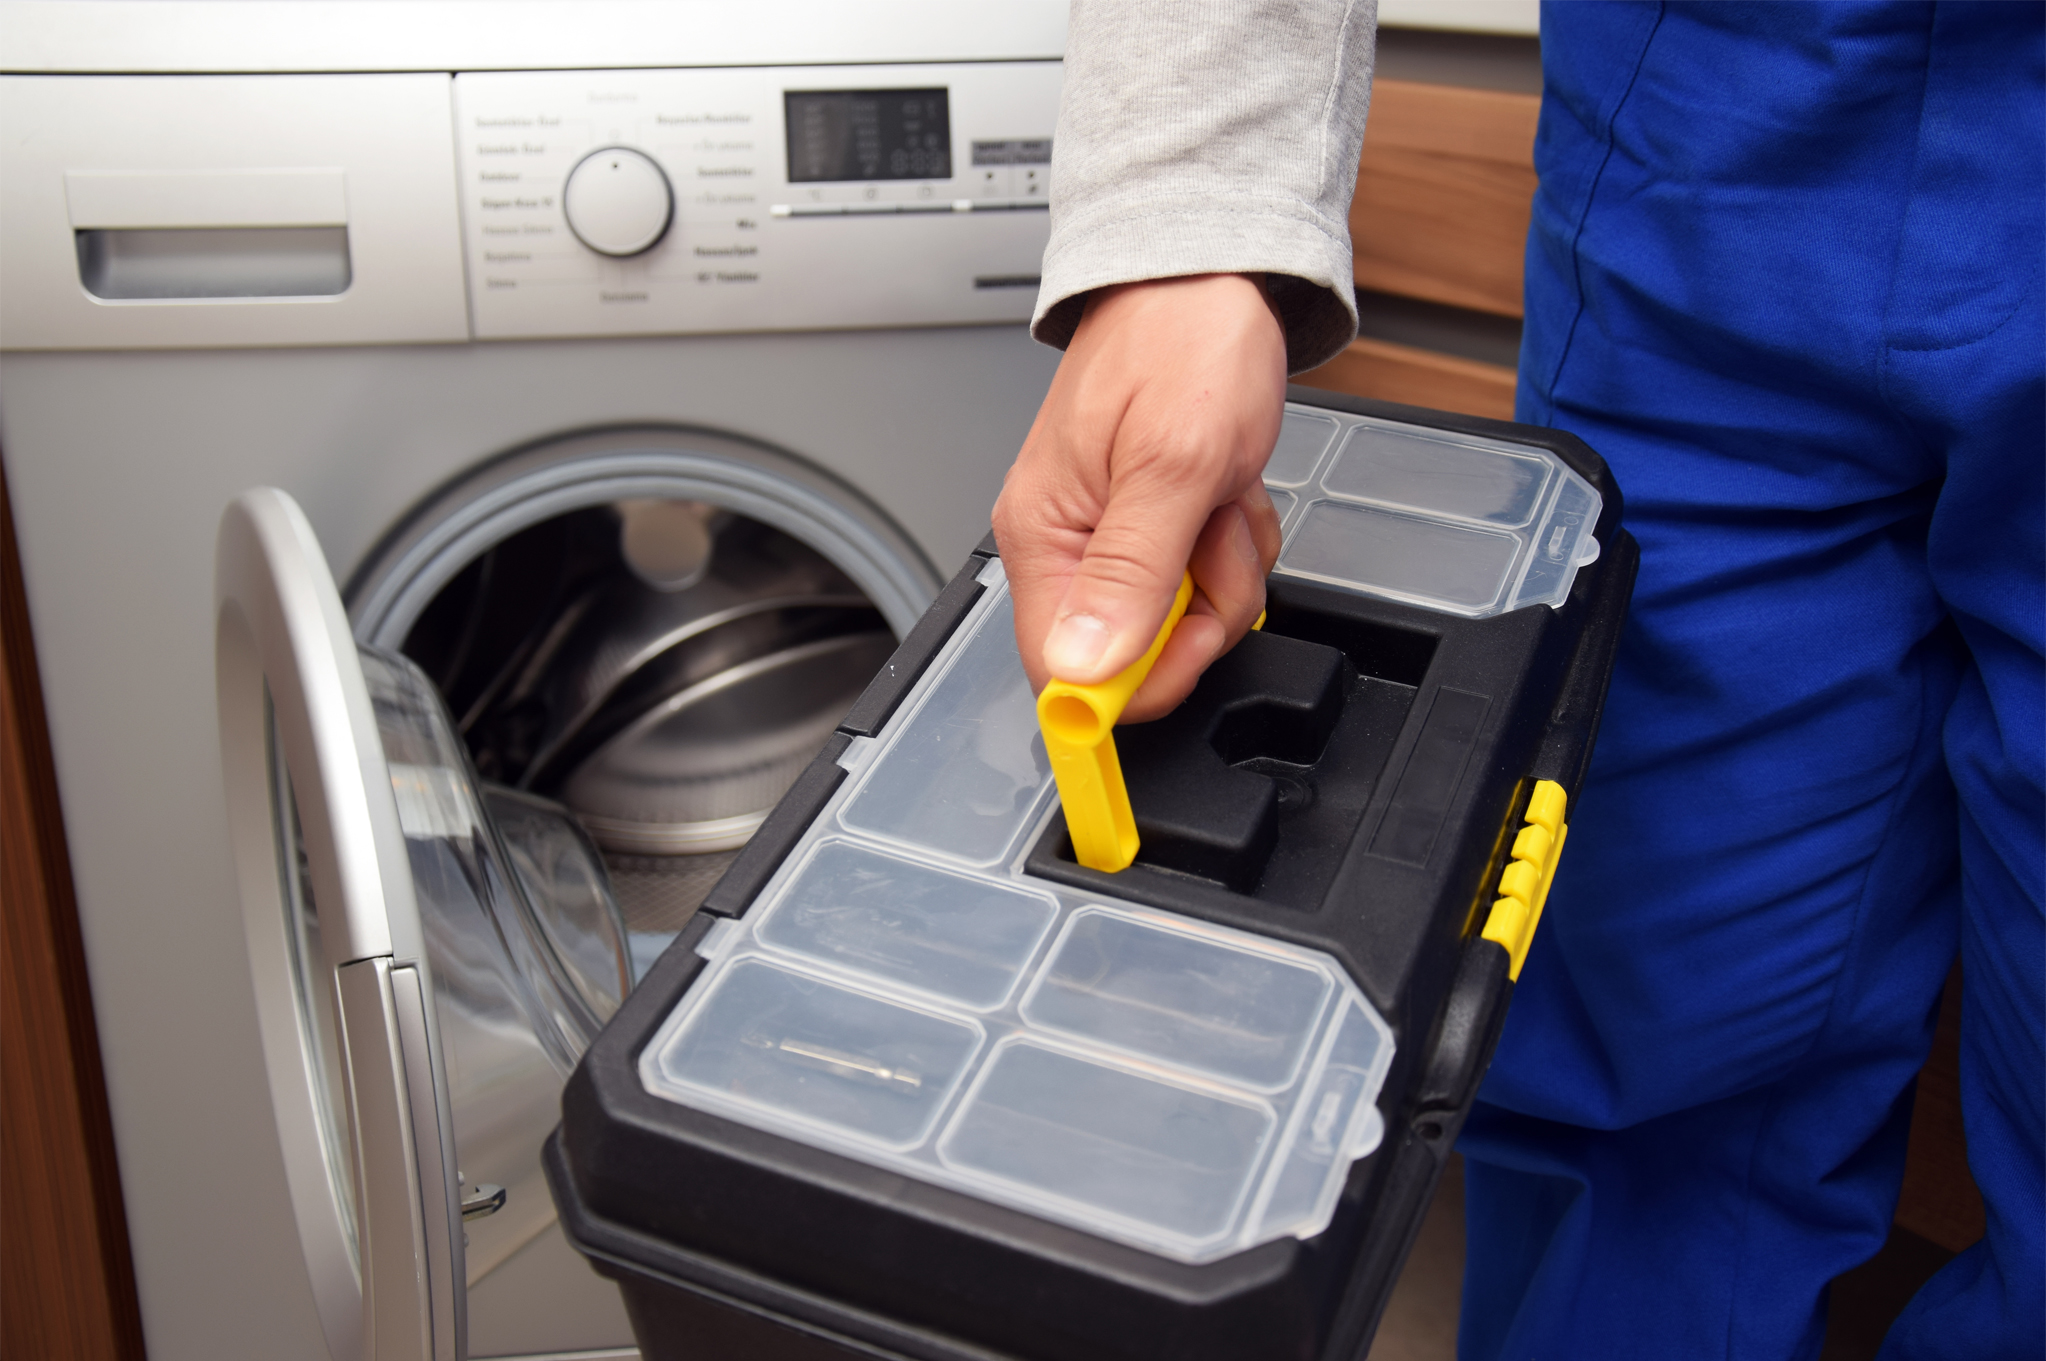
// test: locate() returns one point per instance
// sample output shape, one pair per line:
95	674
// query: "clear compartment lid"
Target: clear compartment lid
903	994
1459	523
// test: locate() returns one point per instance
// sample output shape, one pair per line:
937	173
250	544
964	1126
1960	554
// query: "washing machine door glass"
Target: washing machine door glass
520	928
527	952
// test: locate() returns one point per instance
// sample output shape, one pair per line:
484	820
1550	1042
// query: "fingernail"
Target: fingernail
1245	546
1075	645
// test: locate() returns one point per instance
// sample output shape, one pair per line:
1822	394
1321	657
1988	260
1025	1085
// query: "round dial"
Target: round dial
617	201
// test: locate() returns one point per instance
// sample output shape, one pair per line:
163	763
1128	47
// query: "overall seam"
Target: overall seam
1555	375
1884	349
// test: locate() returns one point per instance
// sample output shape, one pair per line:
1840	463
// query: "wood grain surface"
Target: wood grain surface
1405	373
1445	187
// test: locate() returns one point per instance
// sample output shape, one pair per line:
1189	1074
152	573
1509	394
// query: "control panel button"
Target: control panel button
617	201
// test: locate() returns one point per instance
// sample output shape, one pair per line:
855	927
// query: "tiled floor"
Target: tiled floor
1420	1319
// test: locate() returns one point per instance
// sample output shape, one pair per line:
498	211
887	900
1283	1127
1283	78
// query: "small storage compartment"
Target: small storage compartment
778	1044
1072	1129
1180	998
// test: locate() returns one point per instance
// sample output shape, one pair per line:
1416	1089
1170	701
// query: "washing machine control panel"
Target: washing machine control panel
754	199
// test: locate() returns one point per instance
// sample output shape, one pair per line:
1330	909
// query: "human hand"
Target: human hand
1145	461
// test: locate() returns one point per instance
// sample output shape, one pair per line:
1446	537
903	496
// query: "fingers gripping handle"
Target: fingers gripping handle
1079	736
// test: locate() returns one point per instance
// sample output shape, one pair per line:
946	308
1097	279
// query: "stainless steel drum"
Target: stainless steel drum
668	712
618	621
700	770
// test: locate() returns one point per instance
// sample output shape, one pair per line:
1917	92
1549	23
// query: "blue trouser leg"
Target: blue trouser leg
1964	368
1783	280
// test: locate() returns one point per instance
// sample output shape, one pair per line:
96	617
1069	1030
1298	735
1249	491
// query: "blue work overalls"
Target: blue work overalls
1785	275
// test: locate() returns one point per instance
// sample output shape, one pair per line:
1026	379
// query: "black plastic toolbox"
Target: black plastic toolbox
1355	786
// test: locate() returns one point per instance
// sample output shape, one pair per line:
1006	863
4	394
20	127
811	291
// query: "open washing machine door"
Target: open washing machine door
433	950
432	953
337	949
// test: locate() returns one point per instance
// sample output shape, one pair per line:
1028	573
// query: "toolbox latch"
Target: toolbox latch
1524	886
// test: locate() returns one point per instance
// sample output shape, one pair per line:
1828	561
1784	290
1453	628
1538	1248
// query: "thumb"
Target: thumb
1123	585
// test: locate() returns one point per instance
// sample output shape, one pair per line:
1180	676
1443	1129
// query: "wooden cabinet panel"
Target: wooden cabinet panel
1444	190
67	1288
1403	373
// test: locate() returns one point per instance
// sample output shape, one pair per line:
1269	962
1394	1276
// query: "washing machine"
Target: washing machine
465	456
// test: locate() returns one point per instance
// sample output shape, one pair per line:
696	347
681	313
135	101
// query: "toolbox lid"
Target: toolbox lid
1462	523
903	994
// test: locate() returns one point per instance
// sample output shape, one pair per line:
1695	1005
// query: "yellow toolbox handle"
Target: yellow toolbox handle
1079	736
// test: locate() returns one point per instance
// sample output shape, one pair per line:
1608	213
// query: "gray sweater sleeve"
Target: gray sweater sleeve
1211	136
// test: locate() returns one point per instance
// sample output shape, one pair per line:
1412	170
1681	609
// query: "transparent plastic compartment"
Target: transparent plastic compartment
1240	1016
1304	436
1458	523
965	768
901	993
915	925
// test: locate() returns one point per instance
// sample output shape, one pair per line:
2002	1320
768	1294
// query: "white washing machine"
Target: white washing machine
629	376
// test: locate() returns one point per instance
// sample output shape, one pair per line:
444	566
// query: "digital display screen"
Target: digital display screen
868	135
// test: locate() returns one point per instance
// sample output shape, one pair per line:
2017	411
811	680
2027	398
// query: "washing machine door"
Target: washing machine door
343	987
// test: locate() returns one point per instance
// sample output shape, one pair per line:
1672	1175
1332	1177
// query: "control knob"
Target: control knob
617	201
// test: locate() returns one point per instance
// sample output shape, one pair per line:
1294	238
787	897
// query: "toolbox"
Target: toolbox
915	1083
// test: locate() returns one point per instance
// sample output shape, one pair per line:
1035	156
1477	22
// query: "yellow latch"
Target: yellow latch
1524	887
1079	737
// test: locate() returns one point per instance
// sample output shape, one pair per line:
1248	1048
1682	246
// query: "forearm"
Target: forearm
1211	136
